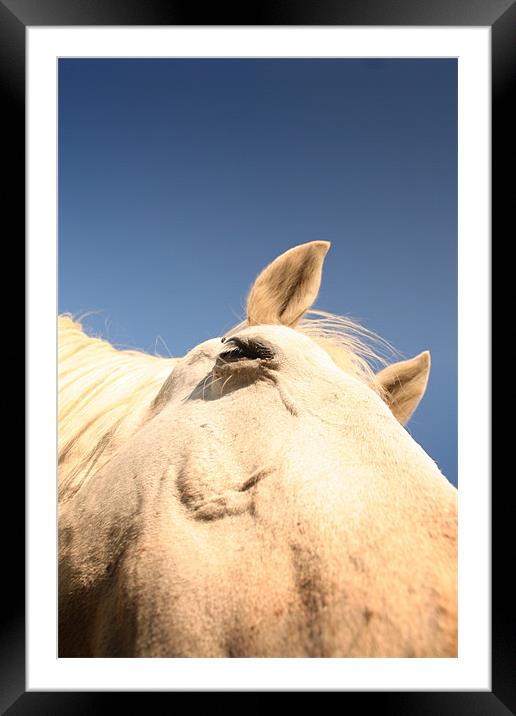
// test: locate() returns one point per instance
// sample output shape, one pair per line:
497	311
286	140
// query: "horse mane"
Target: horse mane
104	394
354	348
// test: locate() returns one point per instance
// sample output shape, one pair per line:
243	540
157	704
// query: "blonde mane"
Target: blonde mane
104	394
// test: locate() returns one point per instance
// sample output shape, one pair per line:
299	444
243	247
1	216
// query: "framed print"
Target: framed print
237	101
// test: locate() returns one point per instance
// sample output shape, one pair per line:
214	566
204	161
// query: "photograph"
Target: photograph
258	354
257	378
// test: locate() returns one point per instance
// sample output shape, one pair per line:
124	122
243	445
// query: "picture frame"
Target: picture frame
15	17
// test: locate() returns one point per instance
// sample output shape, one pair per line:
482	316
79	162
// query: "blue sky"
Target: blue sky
179	180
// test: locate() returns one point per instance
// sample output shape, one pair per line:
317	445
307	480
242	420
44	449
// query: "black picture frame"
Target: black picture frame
15	17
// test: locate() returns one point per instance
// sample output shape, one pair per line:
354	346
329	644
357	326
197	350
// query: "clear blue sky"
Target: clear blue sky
179	180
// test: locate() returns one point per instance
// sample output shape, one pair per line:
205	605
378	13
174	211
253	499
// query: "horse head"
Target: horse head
263	499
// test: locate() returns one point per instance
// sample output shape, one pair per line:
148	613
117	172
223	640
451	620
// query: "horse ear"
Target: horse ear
288	286
404	385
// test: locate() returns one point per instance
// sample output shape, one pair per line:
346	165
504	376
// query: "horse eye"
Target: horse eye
239	348
233	354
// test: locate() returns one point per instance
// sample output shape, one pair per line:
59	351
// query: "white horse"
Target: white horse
259	497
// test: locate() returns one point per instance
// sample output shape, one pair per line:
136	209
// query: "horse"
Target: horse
258	497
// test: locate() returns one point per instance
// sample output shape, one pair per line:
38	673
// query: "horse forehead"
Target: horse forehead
206	349
272	331
282	337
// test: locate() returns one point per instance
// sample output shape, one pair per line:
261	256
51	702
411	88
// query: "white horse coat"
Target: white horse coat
268	503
